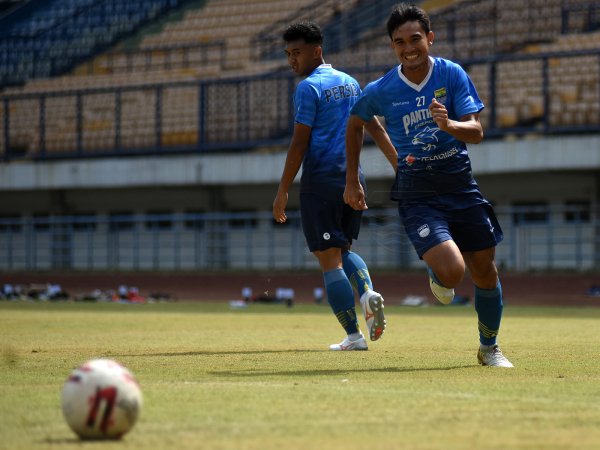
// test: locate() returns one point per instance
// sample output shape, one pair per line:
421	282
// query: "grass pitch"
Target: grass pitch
262	378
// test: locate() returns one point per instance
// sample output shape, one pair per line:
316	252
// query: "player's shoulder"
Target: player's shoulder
444	64
380	83
321	75
343	76
310	84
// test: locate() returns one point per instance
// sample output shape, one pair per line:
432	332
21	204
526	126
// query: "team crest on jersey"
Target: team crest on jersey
423	231
440	95
426	138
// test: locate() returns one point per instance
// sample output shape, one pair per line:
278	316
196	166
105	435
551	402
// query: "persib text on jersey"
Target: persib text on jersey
339	92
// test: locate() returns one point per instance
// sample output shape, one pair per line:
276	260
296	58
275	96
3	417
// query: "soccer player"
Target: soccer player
431	109
322	102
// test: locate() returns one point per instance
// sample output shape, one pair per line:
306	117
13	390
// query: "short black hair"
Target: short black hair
308	31
407	12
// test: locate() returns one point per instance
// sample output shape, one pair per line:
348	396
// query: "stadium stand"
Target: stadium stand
176	83
46	38
233	21
203	78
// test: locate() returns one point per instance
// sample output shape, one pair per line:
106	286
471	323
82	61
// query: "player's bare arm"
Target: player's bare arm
293	162
354	194
383	141
468	129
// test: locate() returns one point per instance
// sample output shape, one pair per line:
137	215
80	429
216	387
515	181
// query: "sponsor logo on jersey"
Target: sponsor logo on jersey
426	138
416	117
326	236
423	231
440	95
410	159
440	156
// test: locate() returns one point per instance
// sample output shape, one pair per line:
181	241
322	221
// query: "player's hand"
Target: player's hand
279	205
439	113
354	196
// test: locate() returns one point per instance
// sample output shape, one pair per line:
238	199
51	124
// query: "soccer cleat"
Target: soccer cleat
493	357
347	345
372	306
443	294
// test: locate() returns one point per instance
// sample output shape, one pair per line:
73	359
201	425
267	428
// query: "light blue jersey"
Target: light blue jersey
323	101
430	161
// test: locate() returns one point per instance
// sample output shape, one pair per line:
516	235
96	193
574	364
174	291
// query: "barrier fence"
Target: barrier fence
539	238
543	93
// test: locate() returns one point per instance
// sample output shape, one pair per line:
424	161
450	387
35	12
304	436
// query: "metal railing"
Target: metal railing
553	238
247	112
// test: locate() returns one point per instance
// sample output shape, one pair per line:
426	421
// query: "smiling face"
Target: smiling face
411	44
303	58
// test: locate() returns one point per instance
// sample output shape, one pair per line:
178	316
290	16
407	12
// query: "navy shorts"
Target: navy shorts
472	229
328	223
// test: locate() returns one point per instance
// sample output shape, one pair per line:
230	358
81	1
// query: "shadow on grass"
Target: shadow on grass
316	372
216	353
79	442
320	372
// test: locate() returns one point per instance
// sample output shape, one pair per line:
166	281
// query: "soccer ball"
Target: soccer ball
101	399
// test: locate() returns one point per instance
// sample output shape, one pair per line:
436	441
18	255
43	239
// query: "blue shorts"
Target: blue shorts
472	229
328	223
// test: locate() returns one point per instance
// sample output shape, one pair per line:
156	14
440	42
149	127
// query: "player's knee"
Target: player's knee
485	276
447	263
450	275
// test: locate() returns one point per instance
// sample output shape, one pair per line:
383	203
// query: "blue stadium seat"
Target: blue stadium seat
67	31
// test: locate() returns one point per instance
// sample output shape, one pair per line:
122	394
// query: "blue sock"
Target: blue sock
357	272
341	299
488	304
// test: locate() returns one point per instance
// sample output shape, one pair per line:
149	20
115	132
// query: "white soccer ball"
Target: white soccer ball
101	399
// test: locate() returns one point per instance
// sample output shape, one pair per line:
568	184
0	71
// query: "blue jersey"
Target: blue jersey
430	161
323	101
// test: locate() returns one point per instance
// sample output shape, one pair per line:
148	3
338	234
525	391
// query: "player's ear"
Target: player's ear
318	51
430	38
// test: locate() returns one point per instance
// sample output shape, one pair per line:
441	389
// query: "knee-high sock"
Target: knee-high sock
488	304
357	272
341	299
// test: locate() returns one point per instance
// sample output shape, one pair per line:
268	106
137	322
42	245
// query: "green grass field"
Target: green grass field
262	378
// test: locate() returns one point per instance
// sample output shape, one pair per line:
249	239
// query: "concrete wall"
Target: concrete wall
552	169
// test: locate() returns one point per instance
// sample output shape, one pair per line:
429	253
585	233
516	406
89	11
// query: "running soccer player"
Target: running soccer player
431	109
322	102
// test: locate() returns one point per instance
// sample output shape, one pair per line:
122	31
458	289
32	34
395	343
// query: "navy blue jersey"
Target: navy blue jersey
323	101
430	161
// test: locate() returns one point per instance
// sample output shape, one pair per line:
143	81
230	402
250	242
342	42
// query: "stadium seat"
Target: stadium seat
191	47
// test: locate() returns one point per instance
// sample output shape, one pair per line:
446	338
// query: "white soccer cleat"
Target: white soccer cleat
443	294
493	357
347	345
371	303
